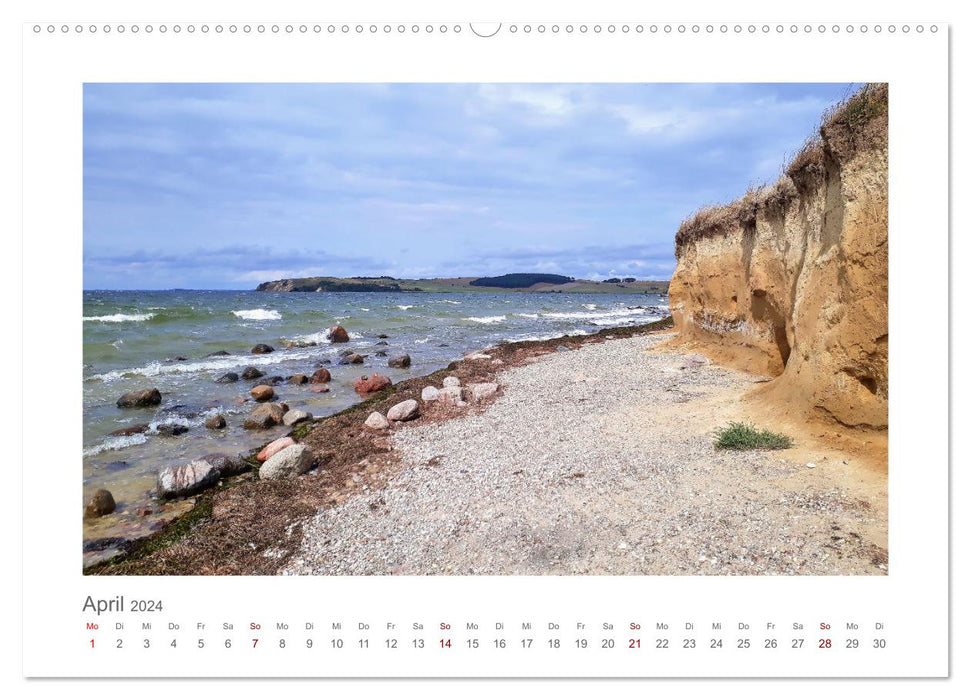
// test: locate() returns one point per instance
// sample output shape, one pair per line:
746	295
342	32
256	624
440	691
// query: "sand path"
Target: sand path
600	460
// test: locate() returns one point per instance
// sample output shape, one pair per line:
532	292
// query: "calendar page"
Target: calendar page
429	347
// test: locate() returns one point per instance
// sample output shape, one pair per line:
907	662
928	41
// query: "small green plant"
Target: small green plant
739	436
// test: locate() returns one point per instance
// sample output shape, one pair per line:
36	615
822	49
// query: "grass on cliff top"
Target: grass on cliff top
856	123
739	436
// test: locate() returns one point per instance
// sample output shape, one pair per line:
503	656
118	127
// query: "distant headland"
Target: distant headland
514	282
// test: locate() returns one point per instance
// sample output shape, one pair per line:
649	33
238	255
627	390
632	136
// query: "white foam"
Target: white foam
119	318
528	316
486	319
258	314
615	320
118	442
405	307
319	338
596	314
449	301
210	364
175	420
590	306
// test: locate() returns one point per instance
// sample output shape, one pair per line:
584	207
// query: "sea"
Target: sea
164	339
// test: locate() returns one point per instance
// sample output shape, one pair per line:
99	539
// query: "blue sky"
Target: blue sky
225	186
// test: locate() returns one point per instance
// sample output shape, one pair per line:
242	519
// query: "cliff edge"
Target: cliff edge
791	280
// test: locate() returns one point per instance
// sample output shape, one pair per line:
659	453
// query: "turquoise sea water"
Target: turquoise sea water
136	340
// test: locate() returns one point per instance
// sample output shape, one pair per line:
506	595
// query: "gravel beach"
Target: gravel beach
600	460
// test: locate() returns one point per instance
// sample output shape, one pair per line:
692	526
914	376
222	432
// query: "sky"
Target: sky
224	186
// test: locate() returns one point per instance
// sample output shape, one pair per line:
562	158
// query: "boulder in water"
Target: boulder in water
130	430
217	422
261	349
262	392
171	429
101	503
265	416
140	399
252	373
227	378
321	376
337	334
401	362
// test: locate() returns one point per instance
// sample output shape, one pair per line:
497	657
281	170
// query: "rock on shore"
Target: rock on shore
226	465
289	462
406	410
186	479
294	416
376	421
483	390
376	382
275	447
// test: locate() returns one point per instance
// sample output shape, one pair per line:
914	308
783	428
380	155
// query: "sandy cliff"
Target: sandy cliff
791	280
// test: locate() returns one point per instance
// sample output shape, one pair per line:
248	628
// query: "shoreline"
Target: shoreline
605	466
337	461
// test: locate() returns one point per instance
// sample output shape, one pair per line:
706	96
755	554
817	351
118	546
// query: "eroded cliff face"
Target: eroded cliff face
792	281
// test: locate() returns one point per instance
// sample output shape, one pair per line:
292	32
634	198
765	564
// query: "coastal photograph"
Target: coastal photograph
485	329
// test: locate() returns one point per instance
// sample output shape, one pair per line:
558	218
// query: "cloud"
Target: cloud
218	185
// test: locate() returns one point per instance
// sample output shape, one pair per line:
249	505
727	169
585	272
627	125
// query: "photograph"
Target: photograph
485	329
